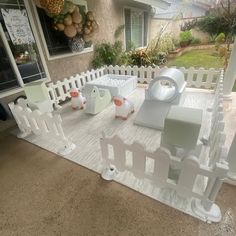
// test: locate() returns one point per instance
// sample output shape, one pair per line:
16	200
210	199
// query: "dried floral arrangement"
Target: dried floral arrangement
71	19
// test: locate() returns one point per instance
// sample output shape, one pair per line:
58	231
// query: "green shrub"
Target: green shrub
220	38
176	42
166	44
107	54
216	23
159	48
159	59
139	58
185	38
124	59
212	38
195	41
143	58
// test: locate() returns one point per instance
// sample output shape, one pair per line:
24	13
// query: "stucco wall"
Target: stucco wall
174	28
104	10
109	15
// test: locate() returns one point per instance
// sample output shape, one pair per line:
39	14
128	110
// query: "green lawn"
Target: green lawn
198	58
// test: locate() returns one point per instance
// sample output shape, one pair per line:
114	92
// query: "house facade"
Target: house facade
177	14
31	50
49	57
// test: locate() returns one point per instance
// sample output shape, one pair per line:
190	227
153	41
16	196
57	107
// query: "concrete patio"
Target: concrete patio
44	194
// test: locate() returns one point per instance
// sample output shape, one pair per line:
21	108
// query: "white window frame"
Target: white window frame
142	12
15	69
64	55
134	9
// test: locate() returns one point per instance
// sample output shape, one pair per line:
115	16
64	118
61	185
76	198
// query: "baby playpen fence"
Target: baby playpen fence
198	78
44	124
135	159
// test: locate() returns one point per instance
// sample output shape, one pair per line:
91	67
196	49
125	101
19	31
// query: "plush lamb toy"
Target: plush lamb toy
123	107
77	100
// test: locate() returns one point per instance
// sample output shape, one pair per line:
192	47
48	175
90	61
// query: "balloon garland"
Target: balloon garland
70	19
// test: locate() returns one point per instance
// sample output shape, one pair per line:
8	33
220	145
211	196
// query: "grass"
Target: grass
198	58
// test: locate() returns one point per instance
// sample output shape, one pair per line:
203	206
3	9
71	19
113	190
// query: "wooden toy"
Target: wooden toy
123	107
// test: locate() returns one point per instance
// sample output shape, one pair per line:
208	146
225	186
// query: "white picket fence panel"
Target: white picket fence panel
217	135
45	124
136	159
197	78
60	90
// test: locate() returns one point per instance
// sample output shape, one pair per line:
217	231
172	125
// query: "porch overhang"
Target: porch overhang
155	3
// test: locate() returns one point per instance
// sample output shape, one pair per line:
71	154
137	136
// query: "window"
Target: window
55	42
8	78
136	24
20	62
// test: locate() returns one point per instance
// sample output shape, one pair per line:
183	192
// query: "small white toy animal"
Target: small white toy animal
77	100
123	107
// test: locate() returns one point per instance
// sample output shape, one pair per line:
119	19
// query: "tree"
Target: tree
221	19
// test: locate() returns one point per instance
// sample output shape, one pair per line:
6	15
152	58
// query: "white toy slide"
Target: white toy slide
165	90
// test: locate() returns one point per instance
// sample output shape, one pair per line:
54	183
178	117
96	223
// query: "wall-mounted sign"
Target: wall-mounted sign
18	26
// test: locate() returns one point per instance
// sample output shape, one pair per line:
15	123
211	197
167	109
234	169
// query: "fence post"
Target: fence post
68	145
109	172
232	162
206	208
21	122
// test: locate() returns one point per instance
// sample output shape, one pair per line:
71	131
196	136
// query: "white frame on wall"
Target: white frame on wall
64	55
36	37
11	57
137	10
15	90
14	67
132	13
